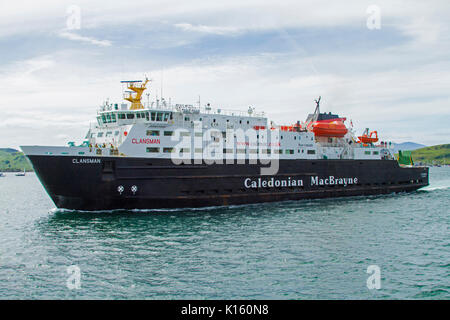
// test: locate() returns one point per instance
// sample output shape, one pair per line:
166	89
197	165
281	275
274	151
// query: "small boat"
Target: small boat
368	138
326	124
335	128
21	174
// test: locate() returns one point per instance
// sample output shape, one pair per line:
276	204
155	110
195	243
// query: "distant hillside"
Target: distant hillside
407	146
9	150
435	154
13	160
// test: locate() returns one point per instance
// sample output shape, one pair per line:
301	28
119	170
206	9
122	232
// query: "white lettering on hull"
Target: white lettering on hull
272	182
290	182
333	181
86	161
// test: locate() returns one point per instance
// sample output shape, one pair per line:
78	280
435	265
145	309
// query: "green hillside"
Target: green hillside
432	155
13	160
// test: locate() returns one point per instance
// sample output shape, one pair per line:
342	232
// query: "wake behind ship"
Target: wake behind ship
174	156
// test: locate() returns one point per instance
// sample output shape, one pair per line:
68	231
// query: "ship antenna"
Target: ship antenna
317	111
162	82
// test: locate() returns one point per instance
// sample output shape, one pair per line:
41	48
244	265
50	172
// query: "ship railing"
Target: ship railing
190	109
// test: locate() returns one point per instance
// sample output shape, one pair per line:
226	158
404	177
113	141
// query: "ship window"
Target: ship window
168	150
168	133
153	116
153	149
116	133
171	117
138	115
253	151
109	133
100	134
240	150
185	134
198	150
166	116
130	115
366	152
113	117
248	122
146	116
227	150
92	135
121	115
199	134
376	152
186	118
279	151
153	132
103	118
311	152
159	116
289	151
185	150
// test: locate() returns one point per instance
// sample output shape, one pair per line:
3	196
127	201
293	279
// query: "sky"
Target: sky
383	64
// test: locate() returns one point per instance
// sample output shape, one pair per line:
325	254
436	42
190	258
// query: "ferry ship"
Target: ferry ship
161	155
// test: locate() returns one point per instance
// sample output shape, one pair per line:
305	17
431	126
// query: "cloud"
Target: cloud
208	29
76	37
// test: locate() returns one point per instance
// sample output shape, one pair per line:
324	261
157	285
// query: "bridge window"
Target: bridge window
166	116
121	116
130	115
153	116
159	116
153	150
153	132
168	150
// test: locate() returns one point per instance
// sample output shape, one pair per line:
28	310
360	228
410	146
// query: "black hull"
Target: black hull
102	183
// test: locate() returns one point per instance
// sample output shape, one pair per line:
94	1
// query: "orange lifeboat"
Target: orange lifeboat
368	138
329	128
